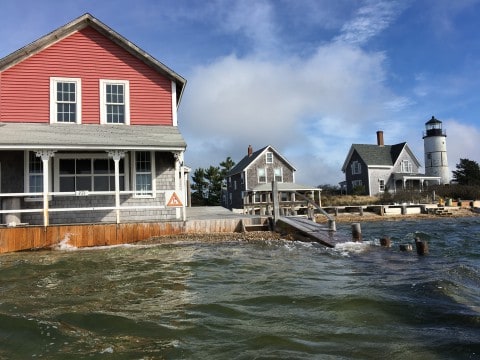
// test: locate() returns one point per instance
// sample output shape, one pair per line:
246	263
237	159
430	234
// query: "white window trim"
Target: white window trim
103	105
174	104
406	167
281	174
380	186
26	182
258	176
134	176
58	156
267	155
356	167
53	99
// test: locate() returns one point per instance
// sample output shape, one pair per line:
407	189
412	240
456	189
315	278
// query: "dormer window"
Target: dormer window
114	102
65	100
269	158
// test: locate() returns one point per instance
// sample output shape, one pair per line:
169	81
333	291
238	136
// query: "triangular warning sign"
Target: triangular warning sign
174	200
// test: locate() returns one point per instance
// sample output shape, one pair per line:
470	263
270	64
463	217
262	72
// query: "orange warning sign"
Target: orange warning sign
174	201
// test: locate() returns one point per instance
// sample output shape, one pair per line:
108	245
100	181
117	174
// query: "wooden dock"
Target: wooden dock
304	229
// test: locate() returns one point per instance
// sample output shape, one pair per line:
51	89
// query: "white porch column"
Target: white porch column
180	182
45	155
117	155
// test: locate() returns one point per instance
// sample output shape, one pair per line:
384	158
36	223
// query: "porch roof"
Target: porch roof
284	186
20	136
399	176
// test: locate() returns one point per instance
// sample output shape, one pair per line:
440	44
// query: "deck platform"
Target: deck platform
307	230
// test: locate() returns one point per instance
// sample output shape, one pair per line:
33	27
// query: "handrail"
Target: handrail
311	202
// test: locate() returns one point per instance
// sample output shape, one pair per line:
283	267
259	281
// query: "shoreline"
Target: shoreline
274	236
370	216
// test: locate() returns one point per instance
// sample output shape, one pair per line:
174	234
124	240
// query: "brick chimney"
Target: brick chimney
380	138
250	150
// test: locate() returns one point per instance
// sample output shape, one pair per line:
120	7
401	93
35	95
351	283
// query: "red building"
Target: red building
88	130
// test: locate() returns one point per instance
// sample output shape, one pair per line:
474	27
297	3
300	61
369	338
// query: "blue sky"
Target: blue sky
309	77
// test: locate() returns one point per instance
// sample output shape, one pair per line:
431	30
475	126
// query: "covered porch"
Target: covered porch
416	182
259	201
71	174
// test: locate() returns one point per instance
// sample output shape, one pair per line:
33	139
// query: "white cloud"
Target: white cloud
317	104
462	142
371	19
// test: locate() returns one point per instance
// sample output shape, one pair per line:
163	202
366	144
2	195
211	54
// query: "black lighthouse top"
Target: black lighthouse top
434	128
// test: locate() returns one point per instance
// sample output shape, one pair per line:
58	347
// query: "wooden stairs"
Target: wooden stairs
441	211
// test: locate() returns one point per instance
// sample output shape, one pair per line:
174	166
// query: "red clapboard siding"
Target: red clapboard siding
86	54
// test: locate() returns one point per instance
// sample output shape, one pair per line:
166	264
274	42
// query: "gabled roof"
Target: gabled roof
248	160
81	23
375	155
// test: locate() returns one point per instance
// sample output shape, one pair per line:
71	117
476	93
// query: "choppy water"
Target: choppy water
250	300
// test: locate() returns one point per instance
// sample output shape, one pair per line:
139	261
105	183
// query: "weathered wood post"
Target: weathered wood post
422	246
356	232
332	225
385	241
276	207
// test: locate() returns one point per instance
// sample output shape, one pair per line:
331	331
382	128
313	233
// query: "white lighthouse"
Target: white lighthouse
435	145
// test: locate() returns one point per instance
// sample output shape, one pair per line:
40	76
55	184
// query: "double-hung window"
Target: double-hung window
34	178
114	102
144	170
269	158
406	167
381	185
356	167
278	172
65	100
262	175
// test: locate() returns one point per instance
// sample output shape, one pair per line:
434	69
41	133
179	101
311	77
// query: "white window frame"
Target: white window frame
103	100
269	157
153	193
90	156
406	167
264	175
26	172
53	99
356	167
381	185
280	175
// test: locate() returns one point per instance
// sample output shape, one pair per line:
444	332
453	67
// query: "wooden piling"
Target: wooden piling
356	232
385	241
422	246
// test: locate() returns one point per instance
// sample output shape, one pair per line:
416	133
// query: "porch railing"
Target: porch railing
38	197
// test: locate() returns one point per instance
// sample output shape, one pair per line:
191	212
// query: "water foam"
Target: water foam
352	247
64	244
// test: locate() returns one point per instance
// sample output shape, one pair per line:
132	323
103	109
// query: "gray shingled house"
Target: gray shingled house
249	183
375	169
